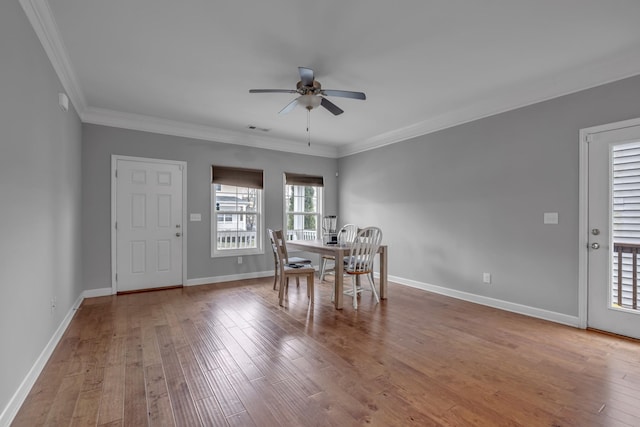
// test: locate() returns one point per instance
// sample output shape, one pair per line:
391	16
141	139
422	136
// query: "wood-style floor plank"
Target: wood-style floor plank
229	355
87	406
182	403
249	395
210	412
39	401
224	392
158	402
113	386
135	399
64	403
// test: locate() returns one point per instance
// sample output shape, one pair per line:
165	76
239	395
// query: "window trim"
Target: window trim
293	179
259	249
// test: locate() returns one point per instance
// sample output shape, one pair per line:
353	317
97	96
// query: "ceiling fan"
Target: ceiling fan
311	94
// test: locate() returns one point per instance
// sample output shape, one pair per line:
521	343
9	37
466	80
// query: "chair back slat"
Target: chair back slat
272	239
347	234
363	250
280	247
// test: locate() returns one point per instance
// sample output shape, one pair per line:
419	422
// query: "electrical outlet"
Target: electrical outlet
239	260
486	277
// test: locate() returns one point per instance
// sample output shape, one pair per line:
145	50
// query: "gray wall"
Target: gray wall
40	149
100	142
471	199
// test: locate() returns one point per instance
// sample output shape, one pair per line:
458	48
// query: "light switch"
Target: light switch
195	217
551	217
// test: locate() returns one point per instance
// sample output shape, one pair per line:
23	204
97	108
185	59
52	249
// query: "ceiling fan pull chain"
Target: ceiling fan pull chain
309	127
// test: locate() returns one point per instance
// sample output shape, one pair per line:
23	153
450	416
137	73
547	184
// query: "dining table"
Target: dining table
339	251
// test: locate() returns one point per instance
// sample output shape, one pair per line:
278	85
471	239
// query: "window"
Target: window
625	219
236	211
303	206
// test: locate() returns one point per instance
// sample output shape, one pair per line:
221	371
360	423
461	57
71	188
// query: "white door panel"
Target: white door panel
149	216
606	232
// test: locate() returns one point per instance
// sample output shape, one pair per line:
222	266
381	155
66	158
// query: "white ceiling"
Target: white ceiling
185	67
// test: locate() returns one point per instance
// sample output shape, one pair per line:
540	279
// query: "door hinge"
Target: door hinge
116	277
588	137
116	225
116	173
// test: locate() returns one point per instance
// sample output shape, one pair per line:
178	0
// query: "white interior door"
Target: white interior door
148	224
614	230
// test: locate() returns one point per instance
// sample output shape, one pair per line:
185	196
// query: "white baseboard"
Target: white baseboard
101	292
12	408
230	278
492	302
466	296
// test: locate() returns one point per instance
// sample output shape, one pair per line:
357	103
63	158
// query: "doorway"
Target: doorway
610	224
148	242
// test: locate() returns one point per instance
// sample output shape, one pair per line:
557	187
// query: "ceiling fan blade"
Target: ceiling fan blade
306	76
344	94
331	107
272	91
289	107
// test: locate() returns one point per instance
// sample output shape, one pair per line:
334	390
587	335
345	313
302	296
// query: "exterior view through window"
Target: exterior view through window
303	206
236	219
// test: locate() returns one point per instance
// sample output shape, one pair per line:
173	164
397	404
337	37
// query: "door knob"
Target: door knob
595	246
178	234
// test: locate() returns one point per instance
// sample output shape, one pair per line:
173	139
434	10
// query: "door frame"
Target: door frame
583	220
114	187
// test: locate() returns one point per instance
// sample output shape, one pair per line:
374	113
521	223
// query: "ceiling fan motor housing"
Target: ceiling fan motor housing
309	90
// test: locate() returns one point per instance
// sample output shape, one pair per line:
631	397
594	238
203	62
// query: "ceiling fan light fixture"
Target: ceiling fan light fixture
309	101
311	94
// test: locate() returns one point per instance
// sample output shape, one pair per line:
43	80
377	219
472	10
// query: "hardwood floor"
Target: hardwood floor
228	355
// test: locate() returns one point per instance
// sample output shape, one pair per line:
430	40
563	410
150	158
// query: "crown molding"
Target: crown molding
140	122
41	18
622	65
608	70
39	14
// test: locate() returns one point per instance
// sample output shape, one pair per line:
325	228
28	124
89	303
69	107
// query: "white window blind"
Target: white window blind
626	215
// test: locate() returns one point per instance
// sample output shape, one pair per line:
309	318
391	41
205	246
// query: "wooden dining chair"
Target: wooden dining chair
287	270
345	236
289	260
360	261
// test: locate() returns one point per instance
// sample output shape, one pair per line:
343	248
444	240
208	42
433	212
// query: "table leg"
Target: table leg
338	280
383	273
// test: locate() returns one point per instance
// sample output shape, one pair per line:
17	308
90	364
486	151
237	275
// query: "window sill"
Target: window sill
237	252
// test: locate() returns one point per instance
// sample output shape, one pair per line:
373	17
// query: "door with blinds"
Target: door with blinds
614	231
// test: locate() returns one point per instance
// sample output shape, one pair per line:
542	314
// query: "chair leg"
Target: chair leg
333	289
284	287
373	287
310	290
355	292
281	292
322	269
275	278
